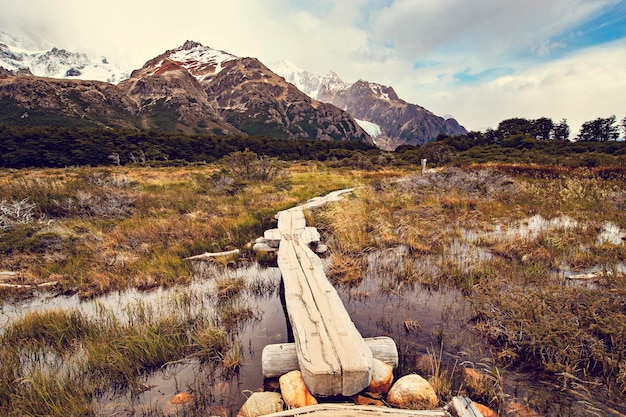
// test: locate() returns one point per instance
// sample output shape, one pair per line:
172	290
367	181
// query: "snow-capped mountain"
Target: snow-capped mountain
195	89
315	86
191	89
196	81
40	59
389	120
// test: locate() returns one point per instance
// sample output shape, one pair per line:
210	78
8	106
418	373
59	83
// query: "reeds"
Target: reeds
61	362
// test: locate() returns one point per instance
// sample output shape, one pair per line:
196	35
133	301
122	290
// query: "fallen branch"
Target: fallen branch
22	286
208	255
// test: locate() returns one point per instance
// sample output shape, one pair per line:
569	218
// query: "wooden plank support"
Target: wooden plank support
333	357
280	358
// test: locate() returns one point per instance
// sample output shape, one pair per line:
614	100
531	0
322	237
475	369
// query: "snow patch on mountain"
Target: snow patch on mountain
21	54
202	61
378	90
313	85
371	128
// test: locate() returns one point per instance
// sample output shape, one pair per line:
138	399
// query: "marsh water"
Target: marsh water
425	324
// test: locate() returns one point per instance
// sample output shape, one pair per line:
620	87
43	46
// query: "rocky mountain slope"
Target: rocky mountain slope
195	80
390	120
193	89
197	89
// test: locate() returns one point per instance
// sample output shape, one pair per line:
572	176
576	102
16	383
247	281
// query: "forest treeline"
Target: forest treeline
528	141
23	147
516	140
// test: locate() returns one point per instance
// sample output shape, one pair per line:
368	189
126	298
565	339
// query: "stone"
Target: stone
412	392
294	390
260	404
485	411
382	377
181	398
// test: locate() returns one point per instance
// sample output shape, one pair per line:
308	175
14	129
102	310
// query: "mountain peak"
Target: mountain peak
188	45
201	61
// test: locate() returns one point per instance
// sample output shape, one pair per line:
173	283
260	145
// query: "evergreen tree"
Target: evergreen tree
599	130
561	130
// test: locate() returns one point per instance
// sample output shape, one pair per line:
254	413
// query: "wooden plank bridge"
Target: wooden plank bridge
332	356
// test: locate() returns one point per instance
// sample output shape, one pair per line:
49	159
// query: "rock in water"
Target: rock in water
260	404
294	390
382	377
412	392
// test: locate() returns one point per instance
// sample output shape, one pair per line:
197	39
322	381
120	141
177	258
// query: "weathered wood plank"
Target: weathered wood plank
280	358
311	236
354	355
332	355
317	360
347	410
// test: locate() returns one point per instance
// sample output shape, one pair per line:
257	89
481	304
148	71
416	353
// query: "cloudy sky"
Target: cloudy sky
481	61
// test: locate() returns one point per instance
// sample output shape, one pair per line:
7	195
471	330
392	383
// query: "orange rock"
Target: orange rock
472	375
181	398
294	390
485	411
382	377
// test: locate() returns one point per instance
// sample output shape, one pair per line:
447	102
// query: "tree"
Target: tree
599	130
515	126
561	130
543	128
624	127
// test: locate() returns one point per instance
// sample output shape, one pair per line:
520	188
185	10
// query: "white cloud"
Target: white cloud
581	87
416	47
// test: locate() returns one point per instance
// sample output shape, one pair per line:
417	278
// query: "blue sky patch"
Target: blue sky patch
606	26
468	77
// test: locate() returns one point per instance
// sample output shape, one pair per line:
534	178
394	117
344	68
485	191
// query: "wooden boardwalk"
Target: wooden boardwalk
331	354
333	357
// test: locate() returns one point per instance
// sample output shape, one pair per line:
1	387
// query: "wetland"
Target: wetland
518	274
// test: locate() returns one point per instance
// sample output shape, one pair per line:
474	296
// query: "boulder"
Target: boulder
412	392
485	411
260	404
382	377
294	390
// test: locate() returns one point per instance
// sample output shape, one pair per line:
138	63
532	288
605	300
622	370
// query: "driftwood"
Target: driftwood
278	359
28	286
210	255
